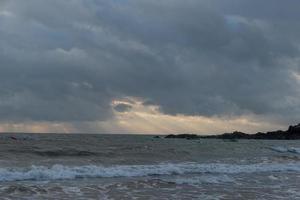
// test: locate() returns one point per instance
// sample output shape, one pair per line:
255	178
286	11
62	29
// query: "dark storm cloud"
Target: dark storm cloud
267	9
67	60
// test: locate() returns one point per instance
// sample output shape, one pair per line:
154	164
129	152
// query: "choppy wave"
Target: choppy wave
212	179
286	149
59	172
56	152
18	137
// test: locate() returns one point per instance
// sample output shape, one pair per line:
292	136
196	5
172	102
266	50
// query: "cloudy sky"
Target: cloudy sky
149	66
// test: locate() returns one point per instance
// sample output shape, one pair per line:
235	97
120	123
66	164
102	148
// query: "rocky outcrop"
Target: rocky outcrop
183	136
293	133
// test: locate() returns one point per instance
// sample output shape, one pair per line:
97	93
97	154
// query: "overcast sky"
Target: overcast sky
149	66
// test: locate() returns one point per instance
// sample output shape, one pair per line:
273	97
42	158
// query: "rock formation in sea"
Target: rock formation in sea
293	133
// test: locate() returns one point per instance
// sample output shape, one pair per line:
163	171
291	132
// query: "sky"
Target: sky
149	66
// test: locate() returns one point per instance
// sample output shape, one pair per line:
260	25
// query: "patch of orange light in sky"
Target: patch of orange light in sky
147	119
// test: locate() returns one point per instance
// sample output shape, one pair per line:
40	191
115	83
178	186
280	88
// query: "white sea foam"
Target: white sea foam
58	172
210	179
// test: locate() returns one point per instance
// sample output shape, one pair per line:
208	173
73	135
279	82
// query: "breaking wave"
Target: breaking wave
286	149
60	172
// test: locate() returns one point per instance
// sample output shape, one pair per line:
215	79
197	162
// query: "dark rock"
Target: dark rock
230	140
13	138
184	136
293	133
234	135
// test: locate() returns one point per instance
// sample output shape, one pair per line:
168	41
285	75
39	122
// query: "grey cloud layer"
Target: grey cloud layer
67	60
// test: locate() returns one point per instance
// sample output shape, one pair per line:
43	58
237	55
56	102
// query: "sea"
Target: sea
108	167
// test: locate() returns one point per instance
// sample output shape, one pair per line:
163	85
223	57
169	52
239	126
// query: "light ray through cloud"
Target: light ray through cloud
190	66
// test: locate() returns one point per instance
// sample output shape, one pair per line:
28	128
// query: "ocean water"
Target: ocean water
61	166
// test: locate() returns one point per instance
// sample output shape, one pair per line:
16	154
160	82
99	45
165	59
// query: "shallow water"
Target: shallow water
55	166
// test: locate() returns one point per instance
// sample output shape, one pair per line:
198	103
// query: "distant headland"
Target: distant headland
293	133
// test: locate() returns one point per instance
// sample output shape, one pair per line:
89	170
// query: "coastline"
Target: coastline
293	133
